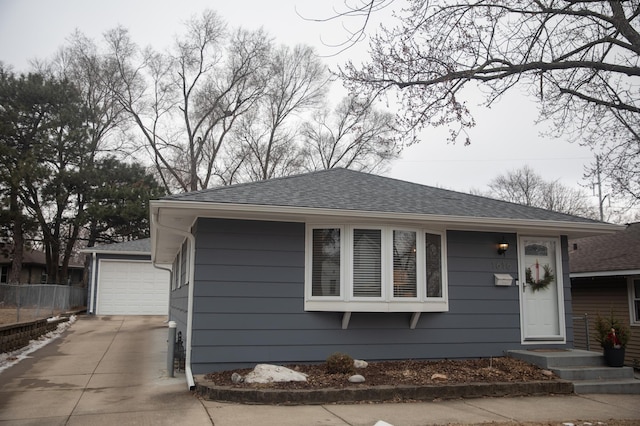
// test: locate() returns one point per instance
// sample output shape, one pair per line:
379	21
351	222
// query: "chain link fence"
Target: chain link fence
26	302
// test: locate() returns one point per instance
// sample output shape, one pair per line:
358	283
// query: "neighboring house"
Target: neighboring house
34	267
123	281
297	268
605	278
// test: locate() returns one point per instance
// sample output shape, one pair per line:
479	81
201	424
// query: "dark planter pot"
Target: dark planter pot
614	357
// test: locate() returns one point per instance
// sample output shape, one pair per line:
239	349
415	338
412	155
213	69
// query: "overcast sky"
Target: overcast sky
505	137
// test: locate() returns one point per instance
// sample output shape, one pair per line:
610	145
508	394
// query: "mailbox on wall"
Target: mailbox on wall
503	280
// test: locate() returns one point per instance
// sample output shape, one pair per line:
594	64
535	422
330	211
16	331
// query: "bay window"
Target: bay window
352	268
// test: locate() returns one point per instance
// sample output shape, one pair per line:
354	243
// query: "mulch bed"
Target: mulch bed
394	373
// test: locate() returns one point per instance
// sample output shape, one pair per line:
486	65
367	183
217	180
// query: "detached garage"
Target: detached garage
123	281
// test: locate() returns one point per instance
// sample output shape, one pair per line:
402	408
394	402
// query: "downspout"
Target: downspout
93	284
162	268
192	259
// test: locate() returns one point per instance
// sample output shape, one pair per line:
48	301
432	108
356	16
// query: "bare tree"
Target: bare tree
354	136
185	102
97	80
525	186
579	58
297	82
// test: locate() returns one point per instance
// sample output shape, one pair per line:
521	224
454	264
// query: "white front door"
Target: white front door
541	293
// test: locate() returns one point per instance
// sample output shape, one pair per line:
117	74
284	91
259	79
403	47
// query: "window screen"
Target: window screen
433	254
325	280
404	264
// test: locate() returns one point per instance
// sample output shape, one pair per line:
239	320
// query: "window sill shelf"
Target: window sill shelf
347	308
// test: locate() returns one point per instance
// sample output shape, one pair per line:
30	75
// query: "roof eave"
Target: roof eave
621	272
124	252
183	214
203	209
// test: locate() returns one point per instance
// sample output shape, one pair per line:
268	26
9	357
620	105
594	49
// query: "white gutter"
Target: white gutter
124	252
604	273
192	256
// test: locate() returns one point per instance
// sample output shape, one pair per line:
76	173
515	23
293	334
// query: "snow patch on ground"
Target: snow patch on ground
8	359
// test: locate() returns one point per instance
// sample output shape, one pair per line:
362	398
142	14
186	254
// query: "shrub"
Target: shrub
339	363
611	332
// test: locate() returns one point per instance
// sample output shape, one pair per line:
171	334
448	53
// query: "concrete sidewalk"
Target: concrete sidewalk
112	370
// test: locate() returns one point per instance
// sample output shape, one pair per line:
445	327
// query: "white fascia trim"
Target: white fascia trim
604	273
128	253
460	222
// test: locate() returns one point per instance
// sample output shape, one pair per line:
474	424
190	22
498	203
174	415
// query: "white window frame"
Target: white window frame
632	299
176	273
309	262
184	265
346	302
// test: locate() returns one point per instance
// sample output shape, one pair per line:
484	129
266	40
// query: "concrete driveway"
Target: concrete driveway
102	371
112	370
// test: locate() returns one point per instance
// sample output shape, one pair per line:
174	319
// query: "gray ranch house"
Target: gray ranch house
291	270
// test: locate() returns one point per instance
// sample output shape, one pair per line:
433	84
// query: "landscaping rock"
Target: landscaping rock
358	363
439	377
267	373
237	378
356	378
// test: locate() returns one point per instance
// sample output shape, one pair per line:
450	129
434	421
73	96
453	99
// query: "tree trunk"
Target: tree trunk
18	240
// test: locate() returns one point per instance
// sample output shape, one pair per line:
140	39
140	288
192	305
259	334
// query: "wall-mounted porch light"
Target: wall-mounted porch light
503	246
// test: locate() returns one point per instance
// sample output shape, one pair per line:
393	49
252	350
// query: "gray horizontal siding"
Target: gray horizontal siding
566	287
333	320
249	303
178	303
352	337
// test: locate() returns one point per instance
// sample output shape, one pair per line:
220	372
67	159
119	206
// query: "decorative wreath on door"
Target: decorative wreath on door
538	283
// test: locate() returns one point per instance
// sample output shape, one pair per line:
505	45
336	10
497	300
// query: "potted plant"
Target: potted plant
613	336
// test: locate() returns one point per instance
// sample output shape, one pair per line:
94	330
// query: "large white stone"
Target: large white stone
268	373
356	378
358	363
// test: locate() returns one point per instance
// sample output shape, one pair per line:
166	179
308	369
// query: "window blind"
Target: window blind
367	269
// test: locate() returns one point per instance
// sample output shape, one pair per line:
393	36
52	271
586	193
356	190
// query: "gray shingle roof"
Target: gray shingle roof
344	189
602	253
142	245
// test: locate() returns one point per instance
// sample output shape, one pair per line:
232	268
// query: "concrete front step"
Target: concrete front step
586	370
593	373
559	358
622	386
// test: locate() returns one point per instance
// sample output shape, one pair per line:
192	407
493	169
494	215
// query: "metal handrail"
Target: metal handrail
585	317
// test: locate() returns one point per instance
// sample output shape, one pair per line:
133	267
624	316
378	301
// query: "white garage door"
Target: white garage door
132	288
